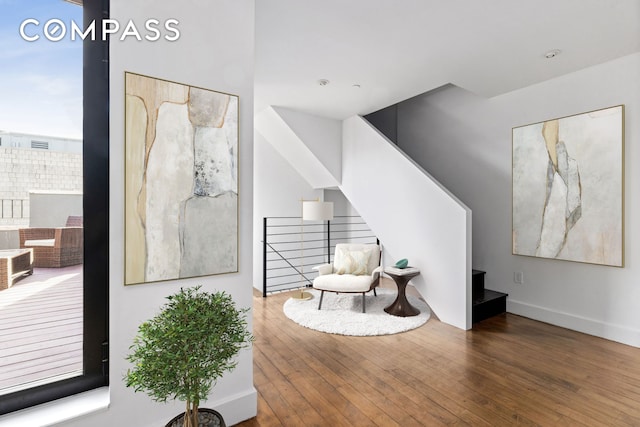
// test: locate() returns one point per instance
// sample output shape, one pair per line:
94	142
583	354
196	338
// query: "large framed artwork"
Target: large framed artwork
568	188
181	181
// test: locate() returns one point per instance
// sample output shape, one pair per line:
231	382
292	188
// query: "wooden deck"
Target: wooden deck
41	328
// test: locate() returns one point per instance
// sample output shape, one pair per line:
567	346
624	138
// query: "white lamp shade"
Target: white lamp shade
317	211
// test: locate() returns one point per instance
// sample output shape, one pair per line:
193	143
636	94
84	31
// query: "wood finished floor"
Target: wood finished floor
508	370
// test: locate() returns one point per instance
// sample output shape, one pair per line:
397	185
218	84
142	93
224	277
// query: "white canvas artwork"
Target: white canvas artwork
181	195
568	188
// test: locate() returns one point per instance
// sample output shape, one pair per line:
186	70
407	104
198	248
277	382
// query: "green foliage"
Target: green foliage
181	352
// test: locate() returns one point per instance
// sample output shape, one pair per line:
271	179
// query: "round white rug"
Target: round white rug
342	313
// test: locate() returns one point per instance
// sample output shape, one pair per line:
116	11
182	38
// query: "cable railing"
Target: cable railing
291	248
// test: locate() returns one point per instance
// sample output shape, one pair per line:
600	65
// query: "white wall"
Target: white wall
465	142
341	205
278	189
413	215
320	135
215	51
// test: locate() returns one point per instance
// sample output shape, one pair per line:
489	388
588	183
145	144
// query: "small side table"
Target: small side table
401	306
14	264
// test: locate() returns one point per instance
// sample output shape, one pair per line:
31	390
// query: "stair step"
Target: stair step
477	283
488	304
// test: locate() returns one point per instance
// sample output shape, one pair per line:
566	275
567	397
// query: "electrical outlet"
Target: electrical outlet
518	277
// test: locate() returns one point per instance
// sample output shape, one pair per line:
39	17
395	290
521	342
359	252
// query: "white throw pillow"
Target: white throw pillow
352	262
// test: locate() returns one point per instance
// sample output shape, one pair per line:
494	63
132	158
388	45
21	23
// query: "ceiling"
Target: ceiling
397	49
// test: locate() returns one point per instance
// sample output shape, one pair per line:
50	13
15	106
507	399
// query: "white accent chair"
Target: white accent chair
355	269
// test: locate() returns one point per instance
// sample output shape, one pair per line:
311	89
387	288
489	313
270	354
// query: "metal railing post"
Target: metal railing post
264	257
328	242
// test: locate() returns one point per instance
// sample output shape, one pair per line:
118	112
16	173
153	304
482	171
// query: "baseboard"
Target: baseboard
618	333
237	408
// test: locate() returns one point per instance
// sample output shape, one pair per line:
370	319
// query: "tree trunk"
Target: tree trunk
194	415
187	417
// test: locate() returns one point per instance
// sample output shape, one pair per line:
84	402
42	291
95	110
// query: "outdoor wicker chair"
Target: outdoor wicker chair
54	247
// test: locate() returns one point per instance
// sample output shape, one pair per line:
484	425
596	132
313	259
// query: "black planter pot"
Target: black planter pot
206	418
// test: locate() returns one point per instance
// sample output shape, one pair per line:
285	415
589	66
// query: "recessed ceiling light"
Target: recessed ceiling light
552	53
323	82
357	86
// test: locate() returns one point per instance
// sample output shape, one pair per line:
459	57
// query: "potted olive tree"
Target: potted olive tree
182	351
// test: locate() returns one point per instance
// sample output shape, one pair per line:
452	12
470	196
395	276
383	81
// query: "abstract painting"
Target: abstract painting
181	181
568	188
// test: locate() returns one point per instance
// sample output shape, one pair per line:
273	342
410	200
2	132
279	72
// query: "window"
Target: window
95	159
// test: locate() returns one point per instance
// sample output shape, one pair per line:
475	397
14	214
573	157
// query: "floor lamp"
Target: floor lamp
312	210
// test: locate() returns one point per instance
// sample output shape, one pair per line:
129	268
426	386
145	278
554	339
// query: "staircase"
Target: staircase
486	303
411	213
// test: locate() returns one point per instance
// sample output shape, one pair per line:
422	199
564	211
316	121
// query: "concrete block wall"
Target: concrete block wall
23	170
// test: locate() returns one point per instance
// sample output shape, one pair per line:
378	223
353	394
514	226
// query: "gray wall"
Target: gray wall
464	141
49	209
386	121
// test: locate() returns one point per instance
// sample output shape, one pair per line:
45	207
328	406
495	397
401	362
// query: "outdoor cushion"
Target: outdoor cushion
41	242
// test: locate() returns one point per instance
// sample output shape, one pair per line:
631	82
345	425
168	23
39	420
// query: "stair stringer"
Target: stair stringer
413	215
283	130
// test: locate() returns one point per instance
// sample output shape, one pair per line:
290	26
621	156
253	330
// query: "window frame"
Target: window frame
96	226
